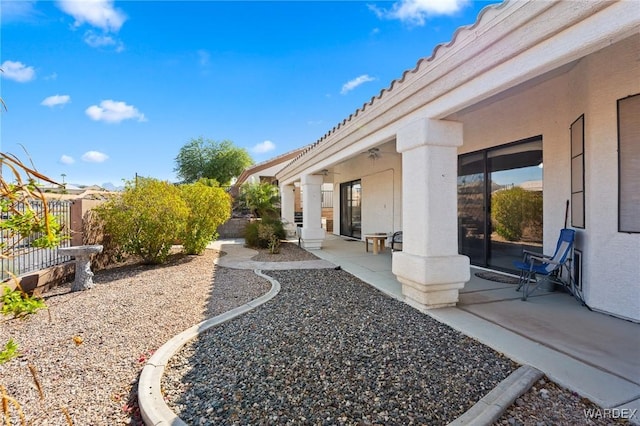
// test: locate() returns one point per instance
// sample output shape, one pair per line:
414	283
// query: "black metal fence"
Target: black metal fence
25	258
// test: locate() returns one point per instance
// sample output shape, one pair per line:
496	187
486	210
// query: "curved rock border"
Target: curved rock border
155	411
153	408
490	408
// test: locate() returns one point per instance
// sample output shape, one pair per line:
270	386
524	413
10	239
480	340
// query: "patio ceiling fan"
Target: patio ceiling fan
326	172
375	153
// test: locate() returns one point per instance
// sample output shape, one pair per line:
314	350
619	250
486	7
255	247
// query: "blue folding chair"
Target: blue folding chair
536	267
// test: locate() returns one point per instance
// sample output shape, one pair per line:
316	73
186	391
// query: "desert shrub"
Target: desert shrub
265	233
209	207
146	219
514	210
93	232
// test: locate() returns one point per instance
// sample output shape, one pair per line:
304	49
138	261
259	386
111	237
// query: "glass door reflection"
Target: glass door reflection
500	203
351	209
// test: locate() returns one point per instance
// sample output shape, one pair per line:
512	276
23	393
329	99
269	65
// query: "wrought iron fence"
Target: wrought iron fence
25	258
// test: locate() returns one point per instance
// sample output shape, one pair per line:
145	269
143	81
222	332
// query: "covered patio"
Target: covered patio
510	103
588	352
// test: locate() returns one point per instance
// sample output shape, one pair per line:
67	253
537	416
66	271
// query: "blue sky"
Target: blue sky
100	90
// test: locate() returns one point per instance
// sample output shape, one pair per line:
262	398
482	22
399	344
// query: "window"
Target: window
577	173
629	164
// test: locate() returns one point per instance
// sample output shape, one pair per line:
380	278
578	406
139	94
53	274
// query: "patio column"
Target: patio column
312	232
429	267
287	199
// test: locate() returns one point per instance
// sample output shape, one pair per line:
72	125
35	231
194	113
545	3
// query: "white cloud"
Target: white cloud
94	157
114	112
97	13
54	100
96	40
16	11
352	84
263	147
17	71
416	12
65	159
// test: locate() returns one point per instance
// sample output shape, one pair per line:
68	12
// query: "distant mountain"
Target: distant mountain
111	187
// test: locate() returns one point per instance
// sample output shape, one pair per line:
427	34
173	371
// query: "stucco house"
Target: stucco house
538	95
265	171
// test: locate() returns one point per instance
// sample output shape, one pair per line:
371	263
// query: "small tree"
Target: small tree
262	199
146	219
18	222
209	207
205	158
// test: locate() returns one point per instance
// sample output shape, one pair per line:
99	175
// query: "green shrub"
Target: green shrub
45	230
9	352
146	219
19	304
209	207
515	209
265	233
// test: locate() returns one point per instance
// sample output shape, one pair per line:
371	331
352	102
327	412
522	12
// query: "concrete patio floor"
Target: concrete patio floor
591	353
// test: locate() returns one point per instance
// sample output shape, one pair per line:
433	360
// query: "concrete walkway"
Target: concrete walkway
237	256
592	354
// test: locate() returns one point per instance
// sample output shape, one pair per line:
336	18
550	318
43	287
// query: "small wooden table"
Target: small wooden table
377	240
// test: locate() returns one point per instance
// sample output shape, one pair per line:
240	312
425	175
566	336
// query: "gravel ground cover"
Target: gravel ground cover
288	252
547	404
88	348
330	350
135	309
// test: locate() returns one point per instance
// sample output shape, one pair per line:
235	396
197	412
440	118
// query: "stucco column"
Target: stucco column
429	267
287	207
312	232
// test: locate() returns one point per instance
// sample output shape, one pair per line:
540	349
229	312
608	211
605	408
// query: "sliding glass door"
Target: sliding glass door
472	207
500	203
351	209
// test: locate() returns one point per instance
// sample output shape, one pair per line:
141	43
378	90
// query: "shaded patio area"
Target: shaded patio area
591	353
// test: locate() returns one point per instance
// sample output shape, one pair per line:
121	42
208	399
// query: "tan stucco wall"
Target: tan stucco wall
381	189
611	260
78	209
